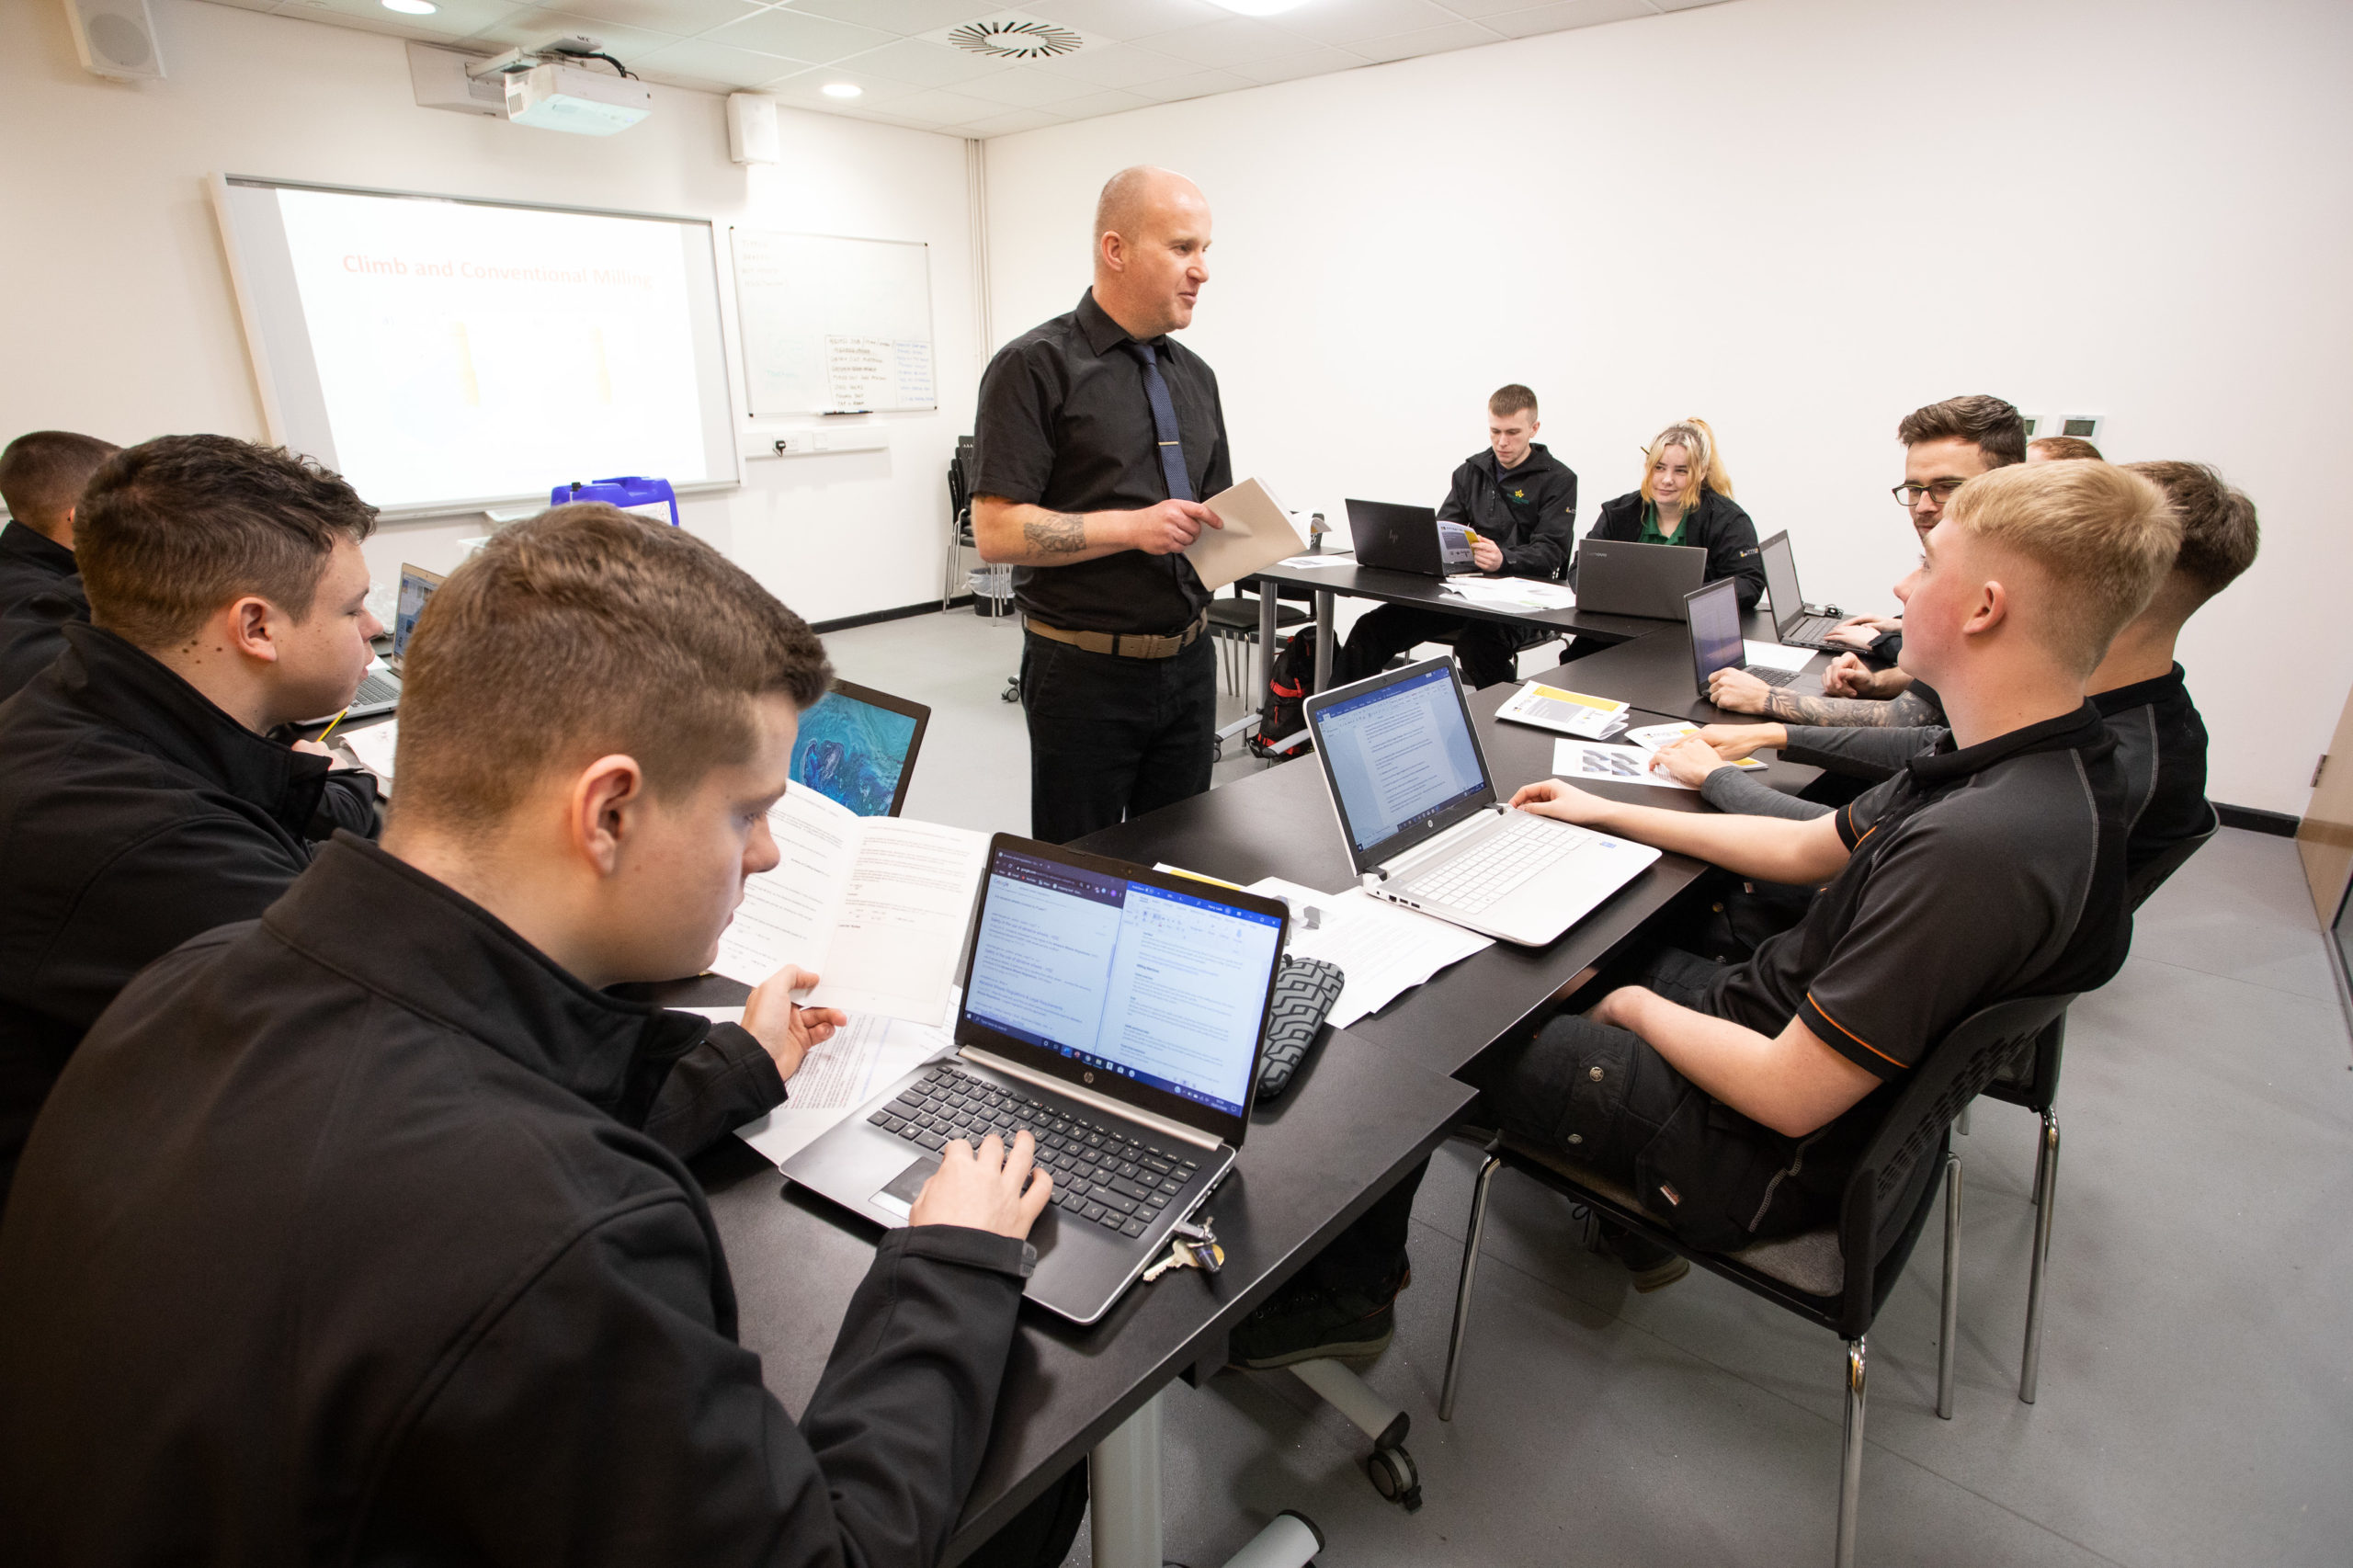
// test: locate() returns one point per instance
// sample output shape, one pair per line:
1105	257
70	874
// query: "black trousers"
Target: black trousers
1112	738
1485	649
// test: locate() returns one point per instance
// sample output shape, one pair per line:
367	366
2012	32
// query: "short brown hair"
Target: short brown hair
173	528
2064	448
2218	536
2103	538
43	473
581	632
1510	400
1998	429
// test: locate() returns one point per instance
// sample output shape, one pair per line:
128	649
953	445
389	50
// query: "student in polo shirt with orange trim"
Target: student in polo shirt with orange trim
1733	1098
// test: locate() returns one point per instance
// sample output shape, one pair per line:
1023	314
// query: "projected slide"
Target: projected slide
443	352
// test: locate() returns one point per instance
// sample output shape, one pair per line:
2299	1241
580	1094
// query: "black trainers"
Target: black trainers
1316	1321
1655	1268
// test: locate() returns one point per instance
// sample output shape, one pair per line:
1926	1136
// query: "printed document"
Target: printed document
837	1078
371	746
1590	760
875	906
1773	656
1383	949
1257	533
1658	738
1513	593
1566	712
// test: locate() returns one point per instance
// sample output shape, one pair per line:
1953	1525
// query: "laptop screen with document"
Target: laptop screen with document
1401	757
1146	991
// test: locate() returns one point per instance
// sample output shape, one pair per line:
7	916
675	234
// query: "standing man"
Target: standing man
1521	501
1097	438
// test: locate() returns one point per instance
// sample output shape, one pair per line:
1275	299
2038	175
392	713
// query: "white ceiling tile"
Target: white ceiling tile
738	68
1686	5
684	17
1116	65
1341	21
1563	14
1092	104
1230	42
1127	18
939	106
796	37
915	60
248	4
1292	67
1478	10
530	27
906	17
1196	85
371	17
1429	40
1020	88
1017	119
807	90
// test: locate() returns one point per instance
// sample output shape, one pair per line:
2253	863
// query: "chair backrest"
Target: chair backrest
2152	876
1885	1189
960	476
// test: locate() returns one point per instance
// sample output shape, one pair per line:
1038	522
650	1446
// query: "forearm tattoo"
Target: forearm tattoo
1902	712
1056	533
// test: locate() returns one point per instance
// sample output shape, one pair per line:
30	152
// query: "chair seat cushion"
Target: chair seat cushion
1809	1261
1242	615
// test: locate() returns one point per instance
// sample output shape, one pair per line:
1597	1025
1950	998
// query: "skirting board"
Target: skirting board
874	617
2255	820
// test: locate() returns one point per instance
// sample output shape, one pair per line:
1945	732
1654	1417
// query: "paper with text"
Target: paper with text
865	1056
1383	949
1774	656
1576	760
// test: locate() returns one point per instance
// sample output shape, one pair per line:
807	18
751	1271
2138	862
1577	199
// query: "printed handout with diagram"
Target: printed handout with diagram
875	906
1610	764
1565	713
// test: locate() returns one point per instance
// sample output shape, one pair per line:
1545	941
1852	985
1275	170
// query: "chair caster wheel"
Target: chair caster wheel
1395	1477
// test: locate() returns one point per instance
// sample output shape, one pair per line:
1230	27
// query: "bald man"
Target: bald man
1098	440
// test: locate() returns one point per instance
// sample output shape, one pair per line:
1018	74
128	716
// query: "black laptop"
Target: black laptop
1117	1013
1795	622
858	746
1617	577
1716	644
1408	539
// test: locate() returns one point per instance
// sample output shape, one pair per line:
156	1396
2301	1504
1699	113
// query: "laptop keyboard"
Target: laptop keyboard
1101	1173
1810	632
377	688
1770	676
1500	864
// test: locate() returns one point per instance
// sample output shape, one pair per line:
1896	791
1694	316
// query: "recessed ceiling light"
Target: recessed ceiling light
1258	7
412	8
841	89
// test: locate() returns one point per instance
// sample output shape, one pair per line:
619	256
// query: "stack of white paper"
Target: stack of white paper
1257	532
864	1056
371	746
1513	593
1382	949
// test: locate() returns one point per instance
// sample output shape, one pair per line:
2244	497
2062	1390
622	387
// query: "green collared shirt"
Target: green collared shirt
1650	526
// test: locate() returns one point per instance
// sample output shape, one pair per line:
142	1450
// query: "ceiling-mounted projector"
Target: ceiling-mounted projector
565	97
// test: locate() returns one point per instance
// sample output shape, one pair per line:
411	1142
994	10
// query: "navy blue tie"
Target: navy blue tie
1163	422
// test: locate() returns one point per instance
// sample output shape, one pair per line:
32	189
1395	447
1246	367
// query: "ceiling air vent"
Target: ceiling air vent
1012	37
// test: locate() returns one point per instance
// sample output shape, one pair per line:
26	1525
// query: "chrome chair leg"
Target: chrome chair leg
1950	1324
1961	1122
1462	1288
2046	1187
1850	1467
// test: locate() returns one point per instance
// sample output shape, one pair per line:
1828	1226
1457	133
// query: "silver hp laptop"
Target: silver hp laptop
1797	623
1424	827
380	692
1614	577
1716	644
1119	1015
1408	539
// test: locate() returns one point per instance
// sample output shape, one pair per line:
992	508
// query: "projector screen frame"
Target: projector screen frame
251	320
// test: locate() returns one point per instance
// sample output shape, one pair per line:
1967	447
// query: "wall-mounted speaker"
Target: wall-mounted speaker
751	128
116	38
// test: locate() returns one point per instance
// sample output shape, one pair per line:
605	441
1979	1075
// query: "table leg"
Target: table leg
1123	1493
1267	607
1323	638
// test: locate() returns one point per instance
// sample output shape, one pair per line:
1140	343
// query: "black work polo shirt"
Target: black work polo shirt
1064	422
41	593
1977	875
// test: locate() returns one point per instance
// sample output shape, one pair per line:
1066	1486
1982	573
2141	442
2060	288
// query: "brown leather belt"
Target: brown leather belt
1125	644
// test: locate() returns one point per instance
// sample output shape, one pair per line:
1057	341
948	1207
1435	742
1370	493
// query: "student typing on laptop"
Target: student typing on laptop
404	1111
1733	1098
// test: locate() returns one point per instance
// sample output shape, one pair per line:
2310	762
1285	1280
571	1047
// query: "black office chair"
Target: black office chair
1839	1276
2033	1080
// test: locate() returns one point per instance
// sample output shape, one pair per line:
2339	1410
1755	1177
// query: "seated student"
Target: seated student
1733	1098
2062	448
1945	445
341	1238
1521	501
2138	689
1685	498
42	475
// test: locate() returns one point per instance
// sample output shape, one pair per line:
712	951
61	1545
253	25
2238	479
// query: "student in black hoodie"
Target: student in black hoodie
1685	498
41	476
1521	502
342	1239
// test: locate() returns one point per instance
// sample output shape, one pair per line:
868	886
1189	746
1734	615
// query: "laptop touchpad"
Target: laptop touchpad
899	1197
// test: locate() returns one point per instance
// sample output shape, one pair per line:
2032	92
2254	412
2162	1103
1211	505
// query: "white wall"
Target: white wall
1798	218
119	317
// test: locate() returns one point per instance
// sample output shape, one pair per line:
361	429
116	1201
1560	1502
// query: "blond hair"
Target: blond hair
1694	436
2101	537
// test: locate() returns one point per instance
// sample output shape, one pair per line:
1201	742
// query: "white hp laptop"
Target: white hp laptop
1116	1012
1424	827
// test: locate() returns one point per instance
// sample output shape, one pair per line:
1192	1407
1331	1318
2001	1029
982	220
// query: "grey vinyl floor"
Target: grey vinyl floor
2196	1395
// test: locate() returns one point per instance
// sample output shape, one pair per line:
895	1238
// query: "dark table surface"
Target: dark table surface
1654	674
1413	588
1356	1119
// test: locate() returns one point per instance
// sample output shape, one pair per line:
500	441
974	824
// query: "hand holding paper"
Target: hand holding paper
1257	532
785	1030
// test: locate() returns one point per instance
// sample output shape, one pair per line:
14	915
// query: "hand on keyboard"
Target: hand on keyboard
992	1188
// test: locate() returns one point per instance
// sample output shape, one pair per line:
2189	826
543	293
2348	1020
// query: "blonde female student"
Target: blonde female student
1686	499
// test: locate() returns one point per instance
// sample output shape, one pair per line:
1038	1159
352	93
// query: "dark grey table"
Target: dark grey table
1654	674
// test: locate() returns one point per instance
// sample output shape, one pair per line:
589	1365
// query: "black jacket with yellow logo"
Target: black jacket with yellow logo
1543	487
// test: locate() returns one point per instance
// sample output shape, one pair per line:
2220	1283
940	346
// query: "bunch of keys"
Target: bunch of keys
1196	1246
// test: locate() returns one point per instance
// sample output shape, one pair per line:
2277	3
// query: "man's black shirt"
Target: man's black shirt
40	594
1064	424
1531	512
340	1242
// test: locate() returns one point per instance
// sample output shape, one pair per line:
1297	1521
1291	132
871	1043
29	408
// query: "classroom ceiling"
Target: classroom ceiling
969	69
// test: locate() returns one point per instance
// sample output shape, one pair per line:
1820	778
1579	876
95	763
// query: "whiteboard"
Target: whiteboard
833	325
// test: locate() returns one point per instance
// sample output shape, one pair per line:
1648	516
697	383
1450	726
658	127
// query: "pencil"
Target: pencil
331	724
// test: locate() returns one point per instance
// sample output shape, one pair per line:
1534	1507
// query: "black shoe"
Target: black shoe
1654	1266
1316	1321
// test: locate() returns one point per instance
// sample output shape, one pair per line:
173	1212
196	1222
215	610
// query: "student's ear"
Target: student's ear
1992	609
253	629
601	808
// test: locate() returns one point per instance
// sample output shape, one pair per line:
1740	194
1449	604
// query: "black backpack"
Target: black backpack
1283	715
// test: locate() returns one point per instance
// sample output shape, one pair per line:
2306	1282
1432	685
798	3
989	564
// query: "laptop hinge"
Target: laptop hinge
1087	1096
1444	843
